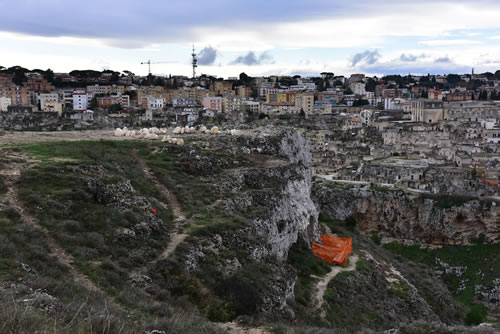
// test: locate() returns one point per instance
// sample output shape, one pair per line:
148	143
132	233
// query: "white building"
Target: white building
358	88
4	103
80	100
155	103
253	106
48	97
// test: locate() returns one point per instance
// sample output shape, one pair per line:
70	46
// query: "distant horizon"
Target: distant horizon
309	75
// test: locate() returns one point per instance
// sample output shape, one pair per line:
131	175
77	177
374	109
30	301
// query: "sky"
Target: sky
258	37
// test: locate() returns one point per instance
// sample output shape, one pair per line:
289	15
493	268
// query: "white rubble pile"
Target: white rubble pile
154	133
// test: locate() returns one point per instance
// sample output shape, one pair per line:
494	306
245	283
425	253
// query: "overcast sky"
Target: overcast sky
257	37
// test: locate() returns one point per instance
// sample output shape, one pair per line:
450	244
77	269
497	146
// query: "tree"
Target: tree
489	75
245	78
159	81
370	85
93	102
494	95
497	75
348	91
359	103
453	79
115	107
132	94
302	113
19	77
49	75
114	77
483	95
255	93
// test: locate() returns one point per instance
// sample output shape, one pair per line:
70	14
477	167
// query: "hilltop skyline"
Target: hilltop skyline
257	38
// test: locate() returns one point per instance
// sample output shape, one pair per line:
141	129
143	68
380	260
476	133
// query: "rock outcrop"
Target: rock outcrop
411	219
270	193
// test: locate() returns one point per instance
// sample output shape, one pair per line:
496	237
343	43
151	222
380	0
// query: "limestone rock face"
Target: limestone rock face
395	215
273	194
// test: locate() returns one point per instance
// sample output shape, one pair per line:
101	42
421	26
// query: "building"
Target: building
214	103
38	84
6	80
305	102
18	109
5	102
427	111
358	88
107	101
253	106
80	100
53	106
105	90
221	87
155	103
434	94
47	97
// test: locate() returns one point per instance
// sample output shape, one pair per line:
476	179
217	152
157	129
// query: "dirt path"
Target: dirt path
179	217
235	328
14	165
323	282
23	137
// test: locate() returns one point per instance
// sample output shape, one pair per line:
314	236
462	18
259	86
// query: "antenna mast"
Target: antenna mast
195	63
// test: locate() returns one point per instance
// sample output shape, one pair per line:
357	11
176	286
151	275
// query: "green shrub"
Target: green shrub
376	239
219	313
476	315
448	201
350	223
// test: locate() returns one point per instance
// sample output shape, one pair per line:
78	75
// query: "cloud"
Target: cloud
449	42
441	65
251	59
297	24
443	60
207	56
368	57
408	57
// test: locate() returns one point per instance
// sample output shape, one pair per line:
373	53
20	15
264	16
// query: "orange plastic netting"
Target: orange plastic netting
334	250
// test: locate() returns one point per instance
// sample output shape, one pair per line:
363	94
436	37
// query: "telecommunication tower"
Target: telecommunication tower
195	63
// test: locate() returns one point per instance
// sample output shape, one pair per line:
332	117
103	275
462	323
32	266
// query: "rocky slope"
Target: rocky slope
267	206
411	219
249	218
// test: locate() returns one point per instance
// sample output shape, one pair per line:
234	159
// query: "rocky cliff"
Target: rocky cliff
411	219
266	207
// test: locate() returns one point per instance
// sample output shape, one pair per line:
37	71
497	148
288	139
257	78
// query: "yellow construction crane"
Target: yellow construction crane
149	62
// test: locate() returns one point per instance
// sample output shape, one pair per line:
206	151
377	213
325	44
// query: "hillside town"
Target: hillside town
430	133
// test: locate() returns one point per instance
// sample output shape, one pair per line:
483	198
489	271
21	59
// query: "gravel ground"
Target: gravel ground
9	138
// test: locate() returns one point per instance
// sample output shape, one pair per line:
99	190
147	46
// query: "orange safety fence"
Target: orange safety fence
335	250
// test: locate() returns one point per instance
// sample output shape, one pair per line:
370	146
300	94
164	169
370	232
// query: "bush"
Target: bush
476	315
350	223
448	201
376	239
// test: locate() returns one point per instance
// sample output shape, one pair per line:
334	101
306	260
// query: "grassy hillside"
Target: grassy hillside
79	193
467	270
